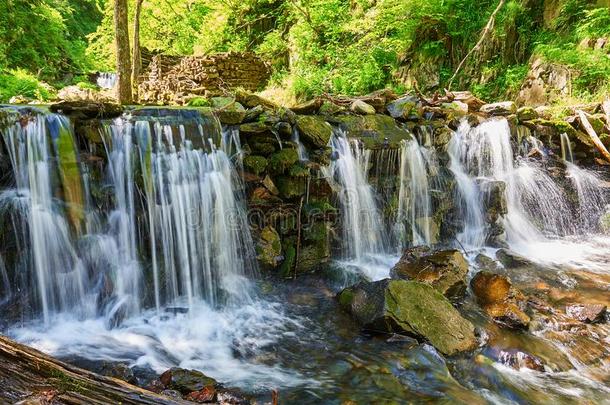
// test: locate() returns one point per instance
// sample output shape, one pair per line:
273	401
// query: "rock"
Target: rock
283	160
526	114
314	130
251	100
512	260
545	83
87	109
362	108
120	371
252	114
518	360
501	108
253	128
207	394
444	270
269	247
173	394
269	185
589	313
455	108
412	307
284	129
502	302
291	187
486	263
375	131
228	111
19	99
308	107
403	107
186	381
256	164
329	108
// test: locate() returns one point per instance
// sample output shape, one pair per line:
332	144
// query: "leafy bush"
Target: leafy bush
20	82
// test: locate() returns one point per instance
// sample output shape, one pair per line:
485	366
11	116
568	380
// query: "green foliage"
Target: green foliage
20	82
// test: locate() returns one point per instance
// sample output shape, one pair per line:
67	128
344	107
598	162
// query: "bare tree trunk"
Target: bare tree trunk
137	55
123	57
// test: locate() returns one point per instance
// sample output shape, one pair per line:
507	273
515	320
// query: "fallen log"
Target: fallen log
31	376
584	121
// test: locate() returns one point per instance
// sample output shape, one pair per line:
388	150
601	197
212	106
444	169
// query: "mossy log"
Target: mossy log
33	377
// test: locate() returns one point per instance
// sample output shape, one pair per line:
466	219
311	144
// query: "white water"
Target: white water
302	152
363	232
106	80
413	222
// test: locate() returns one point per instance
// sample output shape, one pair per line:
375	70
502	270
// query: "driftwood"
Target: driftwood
584	121
27	374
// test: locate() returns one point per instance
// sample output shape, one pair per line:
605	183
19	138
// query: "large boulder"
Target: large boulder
186	381
502	302
228	111
314	130
411	307
444	270
362	108
545	83
375	131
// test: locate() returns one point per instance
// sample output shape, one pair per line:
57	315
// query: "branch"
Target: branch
591	132
486	30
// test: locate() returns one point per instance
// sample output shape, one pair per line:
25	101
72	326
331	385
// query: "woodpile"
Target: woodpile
175	80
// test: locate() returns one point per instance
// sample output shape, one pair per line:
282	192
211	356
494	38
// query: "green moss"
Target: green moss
291	187
281	161
199	102
256	164
298	170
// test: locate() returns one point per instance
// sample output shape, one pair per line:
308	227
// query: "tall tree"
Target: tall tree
123	56
137	55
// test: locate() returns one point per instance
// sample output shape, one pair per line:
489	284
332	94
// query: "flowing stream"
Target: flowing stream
147	259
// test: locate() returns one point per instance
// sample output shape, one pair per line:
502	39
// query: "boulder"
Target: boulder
444	270
308	107
589	313
255	164
545	82
314	130
362	108
376	131
502	302
526	114
186	381
256	127
411	307
283	160
517	359
269	185
501	108
228	111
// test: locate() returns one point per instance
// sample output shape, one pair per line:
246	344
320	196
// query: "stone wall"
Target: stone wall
176	80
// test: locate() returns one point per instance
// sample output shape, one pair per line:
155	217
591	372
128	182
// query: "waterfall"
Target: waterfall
535	204
303	157
106	80
56	276
413	222
566	148
363	231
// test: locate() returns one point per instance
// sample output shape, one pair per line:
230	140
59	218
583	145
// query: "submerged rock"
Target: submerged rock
412	307
502	302
589	313
501	108
314	130
512	260
186	381
444	270
518	360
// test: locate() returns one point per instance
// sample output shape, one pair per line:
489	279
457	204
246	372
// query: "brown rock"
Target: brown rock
589	313
207	394
502	302
519	360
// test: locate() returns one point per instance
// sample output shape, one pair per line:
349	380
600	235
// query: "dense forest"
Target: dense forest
336	46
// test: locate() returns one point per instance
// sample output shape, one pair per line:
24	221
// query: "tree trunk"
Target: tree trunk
137	55
27	374
123	57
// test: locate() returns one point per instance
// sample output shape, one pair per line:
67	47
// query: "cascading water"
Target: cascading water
303	157
413	222
106	80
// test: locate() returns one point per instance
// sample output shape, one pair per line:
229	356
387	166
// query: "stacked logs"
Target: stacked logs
175	80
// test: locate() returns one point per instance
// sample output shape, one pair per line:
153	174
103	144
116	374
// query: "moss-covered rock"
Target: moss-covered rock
291	187
409	307
283	160
256	127
269	247
376	131
255	164
526	114
403	107
314	130
186	381
444	270
228	111
362	108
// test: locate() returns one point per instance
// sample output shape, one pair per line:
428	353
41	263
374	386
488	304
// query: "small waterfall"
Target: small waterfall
535	204
303	157
566	148
56	276
106	80
362	224
414	205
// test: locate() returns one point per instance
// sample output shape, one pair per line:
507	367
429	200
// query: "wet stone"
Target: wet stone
519	360
589	313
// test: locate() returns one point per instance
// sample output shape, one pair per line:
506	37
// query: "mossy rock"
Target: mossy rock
228	111
269	248
374	129
256	127
299	170
526	114
403	107
256	164
186	381
314	130
283	160
291	187
198	102
411	307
